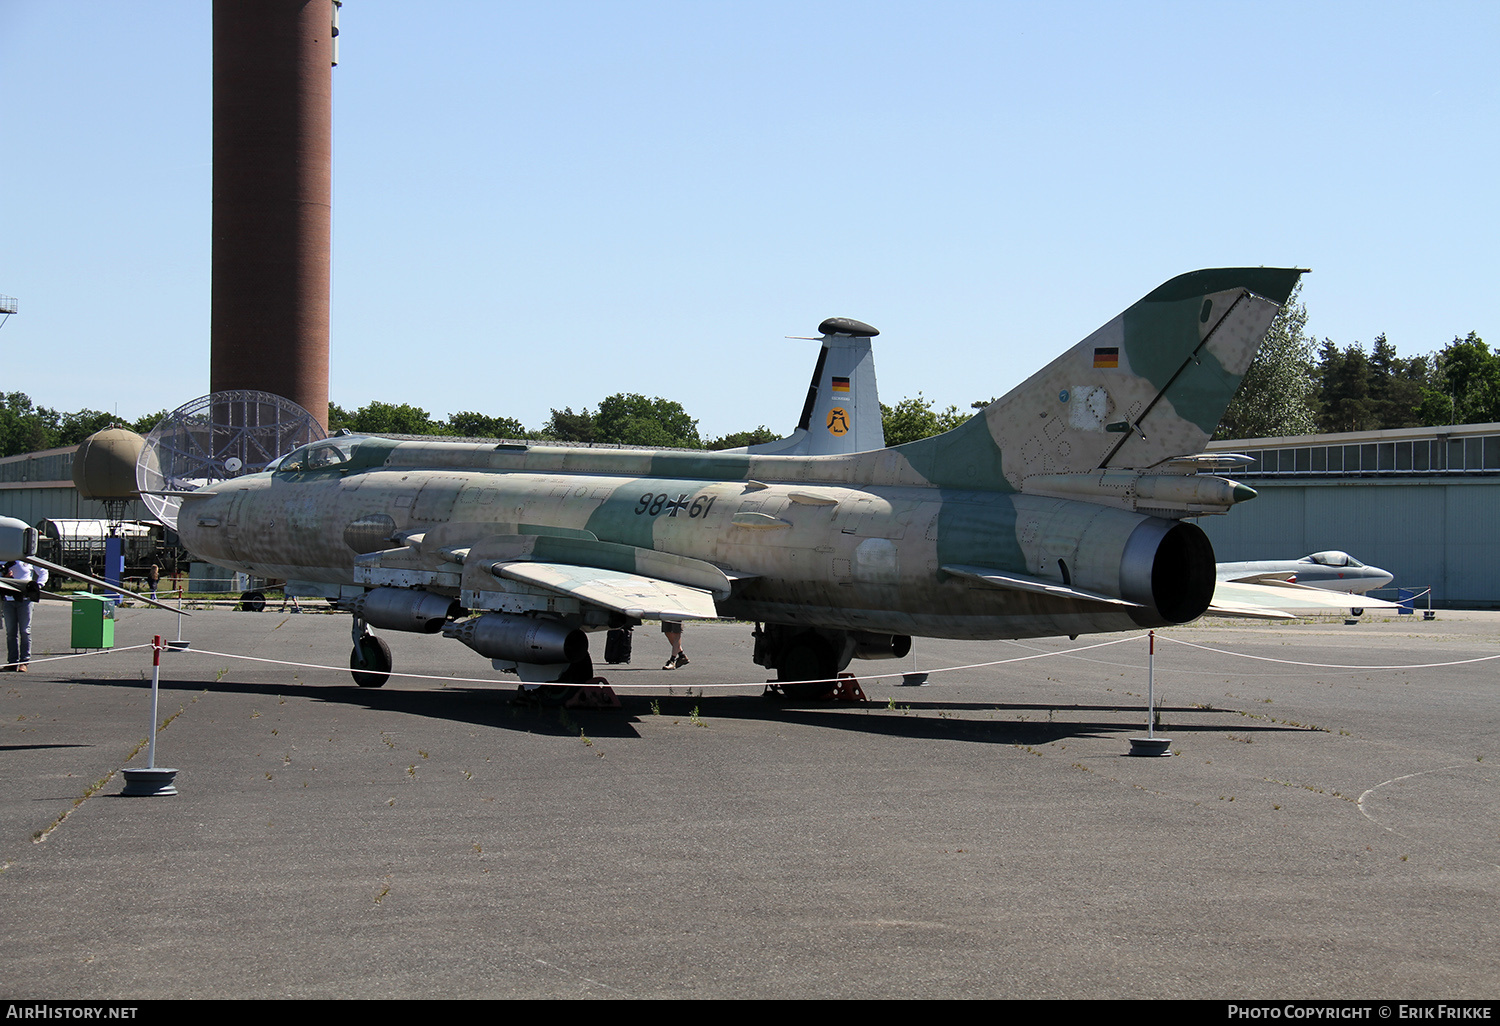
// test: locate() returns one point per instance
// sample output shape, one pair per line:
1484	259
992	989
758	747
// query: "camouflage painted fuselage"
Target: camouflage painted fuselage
805	549
1057	510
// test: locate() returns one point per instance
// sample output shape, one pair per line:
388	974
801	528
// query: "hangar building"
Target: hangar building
1423	503
37	486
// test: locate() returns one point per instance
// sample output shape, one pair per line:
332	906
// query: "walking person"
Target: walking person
18	605
673	631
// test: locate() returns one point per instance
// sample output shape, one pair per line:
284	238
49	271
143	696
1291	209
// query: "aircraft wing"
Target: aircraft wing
644	598
11	588
1273	577
1278	601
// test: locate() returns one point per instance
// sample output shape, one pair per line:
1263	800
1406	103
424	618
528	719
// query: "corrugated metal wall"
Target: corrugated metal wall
1433	532
34	505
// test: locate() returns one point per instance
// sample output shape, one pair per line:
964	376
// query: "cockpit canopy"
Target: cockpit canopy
1333	557
330	452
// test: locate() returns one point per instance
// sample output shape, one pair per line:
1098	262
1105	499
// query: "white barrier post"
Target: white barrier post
151	781
1150	744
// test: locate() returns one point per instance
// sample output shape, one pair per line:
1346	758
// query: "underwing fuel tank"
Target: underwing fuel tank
522	639
405	609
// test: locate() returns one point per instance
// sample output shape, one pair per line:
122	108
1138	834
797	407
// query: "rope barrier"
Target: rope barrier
634	684
81	655
1067	653
1331	666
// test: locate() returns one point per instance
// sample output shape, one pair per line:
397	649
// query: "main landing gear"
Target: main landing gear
807	667
370	659
809	660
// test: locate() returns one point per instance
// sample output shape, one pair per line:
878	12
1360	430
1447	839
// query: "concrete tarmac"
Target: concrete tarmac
1319	833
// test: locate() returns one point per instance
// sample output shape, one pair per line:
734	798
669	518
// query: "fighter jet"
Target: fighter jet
1060	509
1280	589
1331	571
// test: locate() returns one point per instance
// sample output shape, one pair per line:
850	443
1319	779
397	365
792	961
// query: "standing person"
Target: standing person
18	612
673	630
155	577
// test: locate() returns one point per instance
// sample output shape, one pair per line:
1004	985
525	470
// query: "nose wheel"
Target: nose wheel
370	661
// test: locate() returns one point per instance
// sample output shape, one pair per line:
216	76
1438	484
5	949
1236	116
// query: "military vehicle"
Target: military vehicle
1060	509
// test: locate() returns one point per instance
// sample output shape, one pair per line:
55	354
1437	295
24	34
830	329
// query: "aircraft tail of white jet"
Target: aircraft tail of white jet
842	410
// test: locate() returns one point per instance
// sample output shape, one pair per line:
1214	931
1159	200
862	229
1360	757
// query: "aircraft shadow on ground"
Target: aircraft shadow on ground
38	748
926	720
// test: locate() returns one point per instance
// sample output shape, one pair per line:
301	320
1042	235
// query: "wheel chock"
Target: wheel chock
848	689
596	694
845	689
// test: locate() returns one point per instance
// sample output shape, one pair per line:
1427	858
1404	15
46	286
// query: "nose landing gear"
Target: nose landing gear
370	659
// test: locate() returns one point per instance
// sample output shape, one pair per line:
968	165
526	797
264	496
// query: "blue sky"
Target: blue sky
539	204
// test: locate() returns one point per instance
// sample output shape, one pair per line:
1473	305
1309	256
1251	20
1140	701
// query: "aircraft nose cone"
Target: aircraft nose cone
200	525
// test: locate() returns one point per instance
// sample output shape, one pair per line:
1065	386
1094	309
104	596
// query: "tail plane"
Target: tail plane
842	410
1144	390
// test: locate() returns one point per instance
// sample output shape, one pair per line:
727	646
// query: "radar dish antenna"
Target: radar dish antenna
214	438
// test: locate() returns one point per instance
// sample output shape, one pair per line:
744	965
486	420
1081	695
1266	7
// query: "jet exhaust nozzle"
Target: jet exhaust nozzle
1168	568
880	646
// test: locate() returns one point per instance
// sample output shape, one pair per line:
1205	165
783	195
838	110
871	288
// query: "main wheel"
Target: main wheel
806	667
253	601
370	661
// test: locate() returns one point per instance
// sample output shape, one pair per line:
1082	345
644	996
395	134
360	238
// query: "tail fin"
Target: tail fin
842	411
1148	386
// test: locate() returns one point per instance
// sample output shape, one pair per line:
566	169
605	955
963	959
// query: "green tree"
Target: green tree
567	426
1466	384
379	418
73	428
630	419
477	425
1277	395
1396	385
740	439
147	424
22	427
911	419
1344	389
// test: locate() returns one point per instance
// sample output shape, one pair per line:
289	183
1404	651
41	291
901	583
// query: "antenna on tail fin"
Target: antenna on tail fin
842	410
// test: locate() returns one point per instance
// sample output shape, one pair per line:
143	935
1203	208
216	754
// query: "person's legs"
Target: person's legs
23	632
17	633
10	634
672	631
